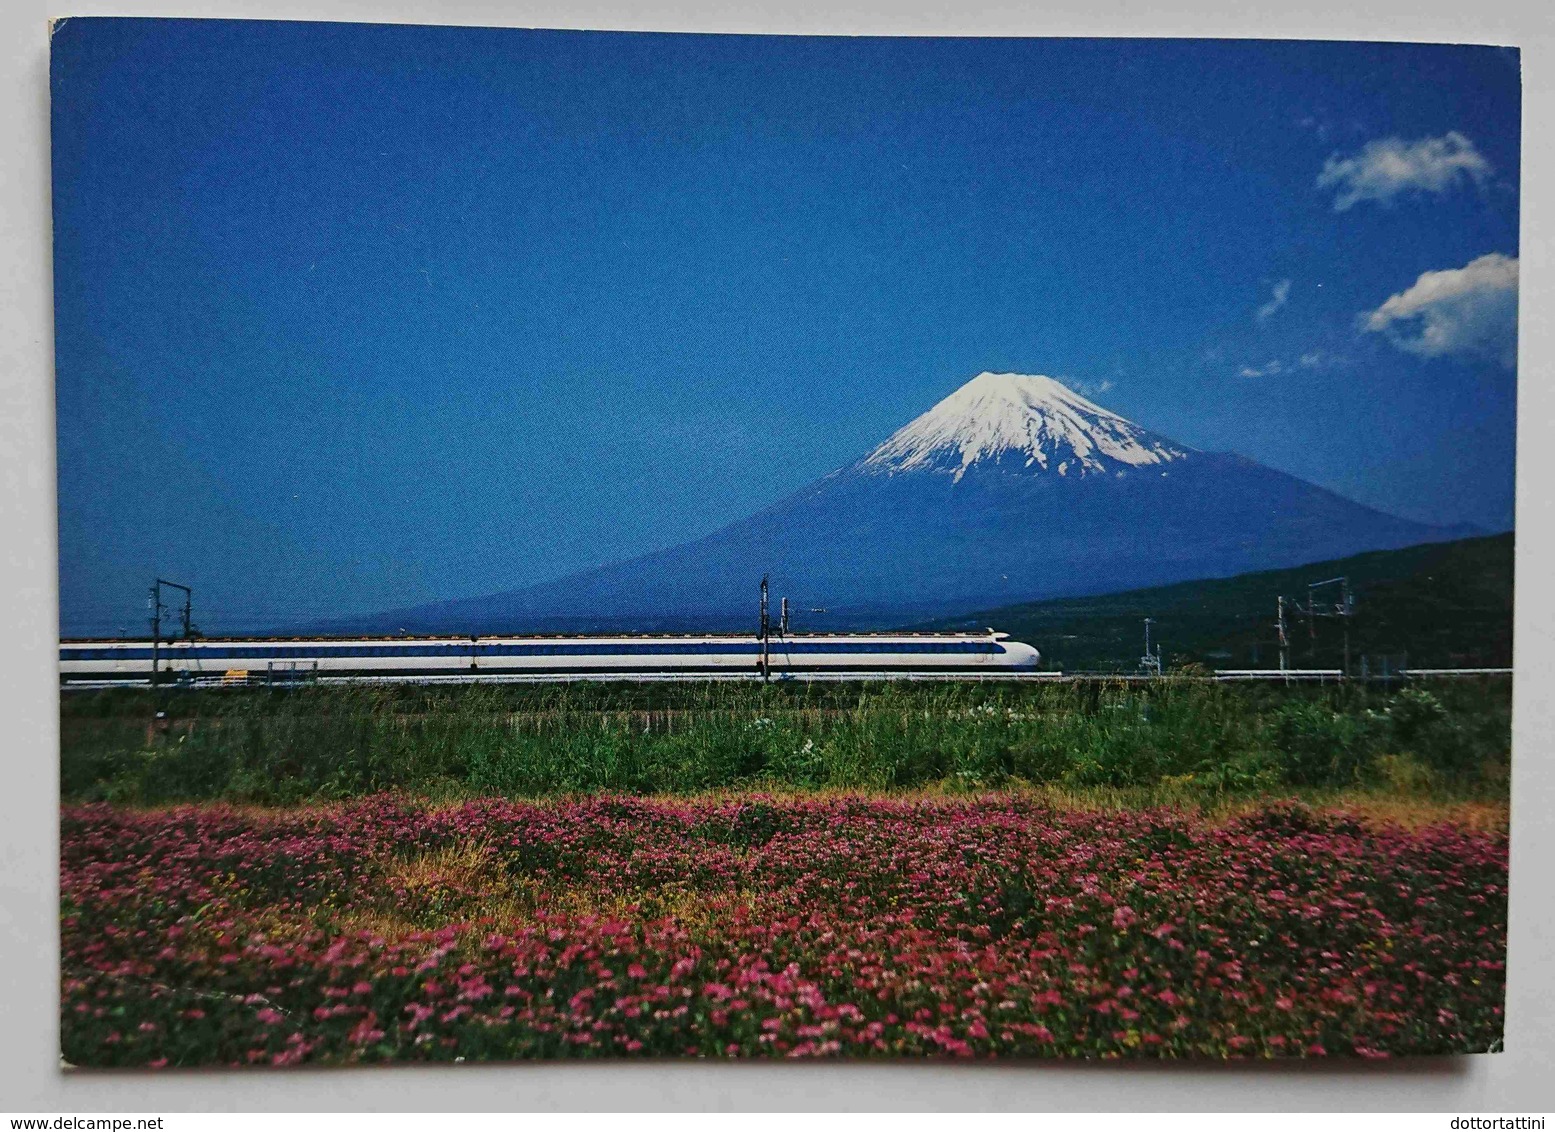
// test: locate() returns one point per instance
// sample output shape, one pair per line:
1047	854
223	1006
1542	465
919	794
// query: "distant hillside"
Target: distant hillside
1445	604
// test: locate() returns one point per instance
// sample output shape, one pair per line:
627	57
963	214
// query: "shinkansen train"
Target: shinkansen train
205	661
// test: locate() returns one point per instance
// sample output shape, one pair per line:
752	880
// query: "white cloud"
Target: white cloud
1312	359
1089	388
1281	295
1389	166
1464	310
1272	368
1316	125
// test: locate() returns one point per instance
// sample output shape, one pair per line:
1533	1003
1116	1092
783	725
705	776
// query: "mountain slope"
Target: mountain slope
1013	488
1444	605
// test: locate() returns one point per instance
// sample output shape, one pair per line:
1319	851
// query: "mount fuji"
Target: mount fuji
1013	488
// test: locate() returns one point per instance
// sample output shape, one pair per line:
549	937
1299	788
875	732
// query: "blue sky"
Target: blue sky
351	317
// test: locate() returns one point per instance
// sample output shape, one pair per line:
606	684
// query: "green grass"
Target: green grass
1176	736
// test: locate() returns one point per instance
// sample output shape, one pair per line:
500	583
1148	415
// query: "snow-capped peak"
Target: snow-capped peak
1020	421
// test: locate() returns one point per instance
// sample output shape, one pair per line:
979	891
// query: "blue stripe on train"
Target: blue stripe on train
174	653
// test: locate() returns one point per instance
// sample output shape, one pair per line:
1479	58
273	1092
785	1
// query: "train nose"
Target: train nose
1021	655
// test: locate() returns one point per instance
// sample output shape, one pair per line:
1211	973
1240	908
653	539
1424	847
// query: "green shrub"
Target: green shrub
1415	712
1246	773
1322	747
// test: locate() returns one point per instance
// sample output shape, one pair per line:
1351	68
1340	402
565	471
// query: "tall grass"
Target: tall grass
538	740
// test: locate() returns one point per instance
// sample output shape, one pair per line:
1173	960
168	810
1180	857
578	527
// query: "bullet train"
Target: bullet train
205	661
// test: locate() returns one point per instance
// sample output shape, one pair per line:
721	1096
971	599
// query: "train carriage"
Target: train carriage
437	659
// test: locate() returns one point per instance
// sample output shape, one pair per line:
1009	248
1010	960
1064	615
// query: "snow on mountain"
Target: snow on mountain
1019	420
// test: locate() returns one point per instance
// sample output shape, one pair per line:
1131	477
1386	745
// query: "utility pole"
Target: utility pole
1284	640
766	629
1311	630
783	620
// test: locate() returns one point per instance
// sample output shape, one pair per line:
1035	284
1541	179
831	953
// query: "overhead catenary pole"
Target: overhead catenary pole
1344	609
1284	640
186	616
156	628
766	629
1151	661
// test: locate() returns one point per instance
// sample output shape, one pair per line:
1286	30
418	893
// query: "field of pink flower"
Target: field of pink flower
384	930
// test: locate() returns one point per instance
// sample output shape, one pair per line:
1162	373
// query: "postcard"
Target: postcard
646	545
